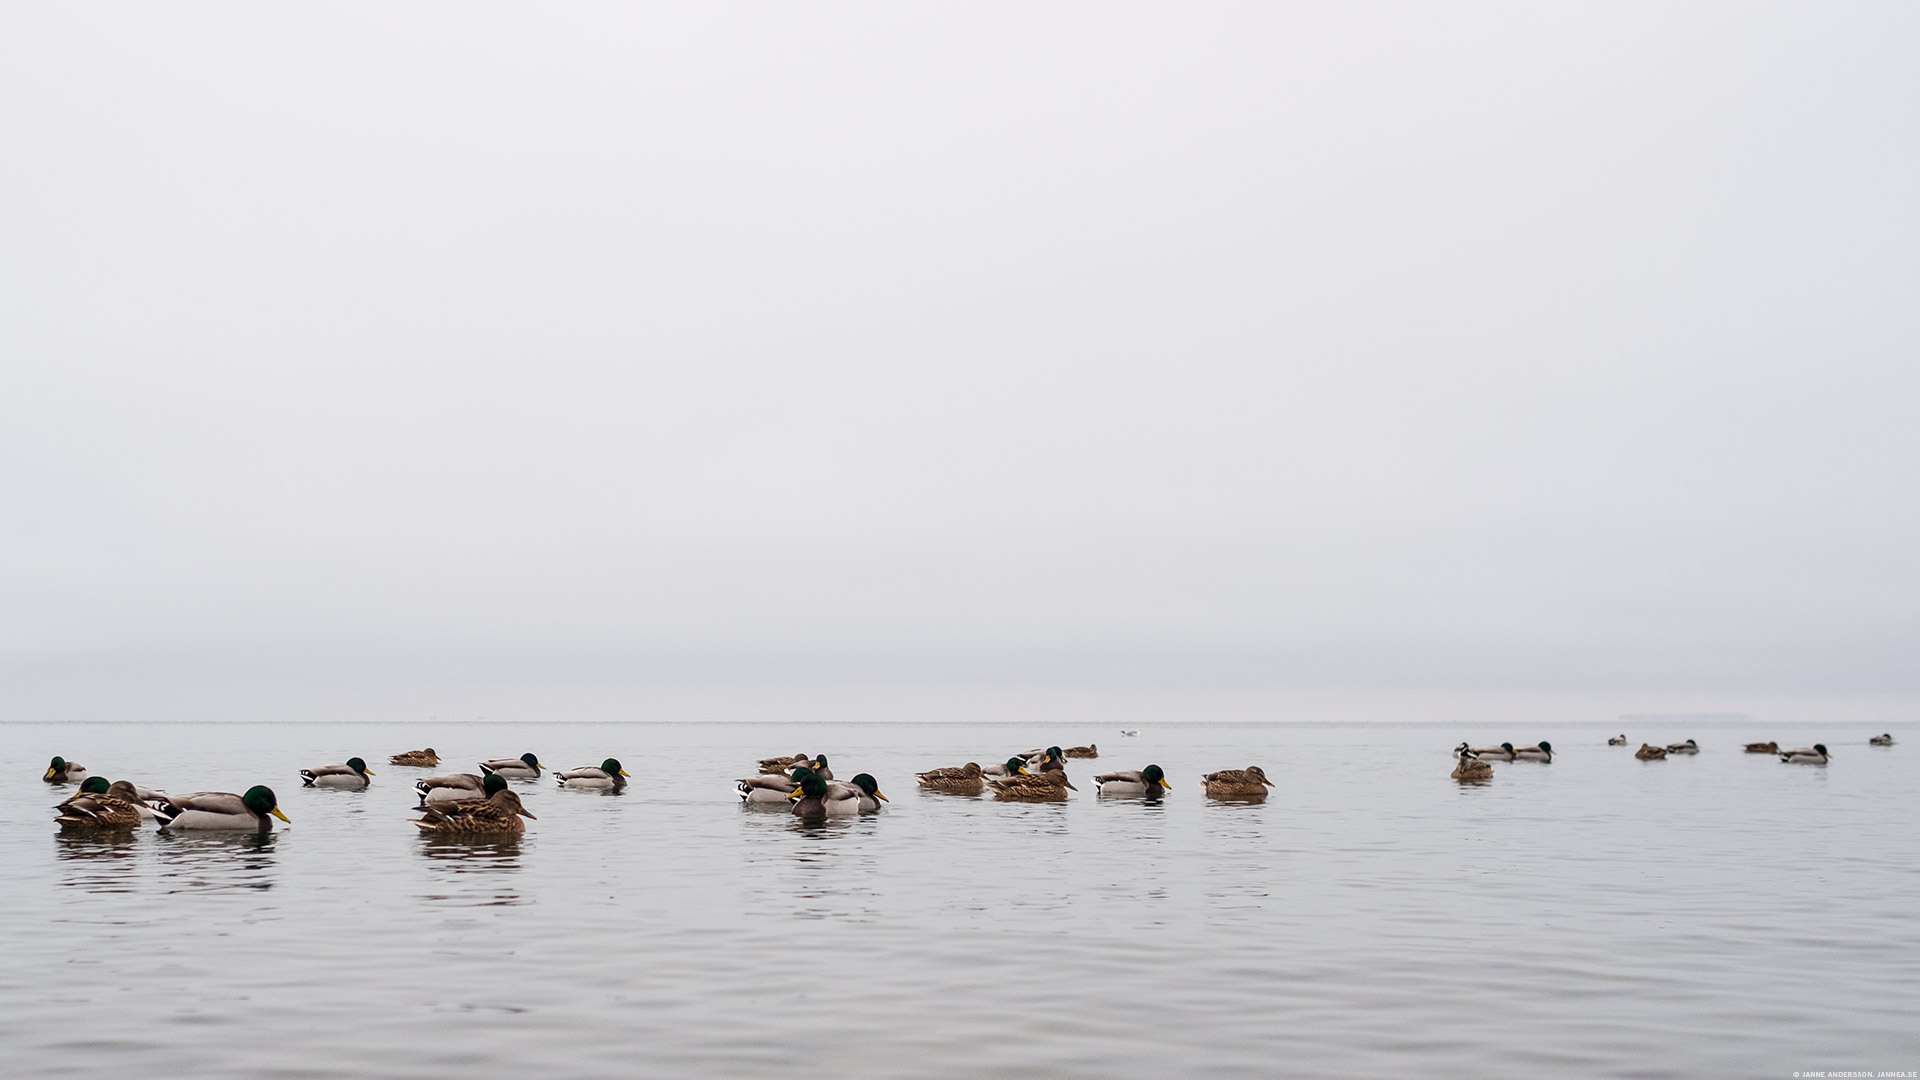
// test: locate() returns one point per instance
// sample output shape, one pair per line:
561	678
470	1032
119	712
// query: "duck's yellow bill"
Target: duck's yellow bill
882	797
276	813
367	772
49	773
794	794
624	772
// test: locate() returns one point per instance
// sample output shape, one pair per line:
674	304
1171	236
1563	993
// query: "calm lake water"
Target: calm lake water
1711	916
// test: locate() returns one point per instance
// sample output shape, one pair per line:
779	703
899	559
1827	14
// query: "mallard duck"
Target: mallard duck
1542	751
1688	747
1503	752
1763	748
1617	740
1248	783
870	797
1881	740
607	776
1471	768
222	810
1030	786
1651	753
524	767
62	771
351	776
420	759
819	767
95	807
452	787
1091	750
1806	755
782	764
962	780
498	813
1019	763
1148	781
814	797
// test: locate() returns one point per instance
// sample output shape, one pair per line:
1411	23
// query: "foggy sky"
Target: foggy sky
1530	348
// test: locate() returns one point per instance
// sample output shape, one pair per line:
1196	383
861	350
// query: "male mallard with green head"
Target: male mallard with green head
419	759
1688	747
350	776
1503	752
1881	740
95	807
954	780
62	771
1806	755
1542	751
524	767
497	814
814	798
1148	781
1248	783
222	810
869	797
607	776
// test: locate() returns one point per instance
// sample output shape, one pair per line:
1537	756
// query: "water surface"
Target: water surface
1717	915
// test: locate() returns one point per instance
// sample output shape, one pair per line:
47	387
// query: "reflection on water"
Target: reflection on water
202	860
99	862
1739	912
469	869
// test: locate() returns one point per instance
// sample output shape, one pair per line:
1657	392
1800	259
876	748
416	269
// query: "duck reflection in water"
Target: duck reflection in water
103	862
467	870
216	860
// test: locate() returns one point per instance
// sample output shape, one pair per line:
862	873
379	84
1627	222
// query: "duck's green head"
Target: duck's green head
865	782
58	766
1054	753
493	783
1548	747
1507	746
94	785
819	763
810	786
1152	774
1016	766
1822	747
532	761
359	765
260	799
611	767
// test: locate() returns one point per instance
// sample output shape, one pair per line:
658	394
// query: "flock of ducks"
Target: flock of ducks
483	803
1471	762
806	782
458	804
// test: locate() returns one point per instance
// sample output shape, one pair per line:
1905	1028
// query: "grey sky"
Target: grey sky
1529	347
